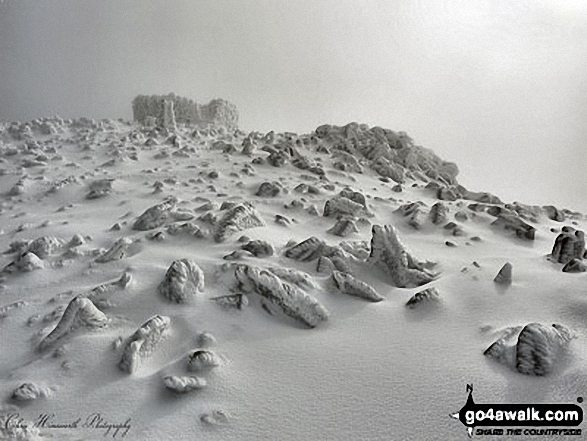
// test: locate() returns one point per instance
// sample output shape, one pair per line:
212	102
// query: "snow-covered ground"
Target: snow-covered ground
371	371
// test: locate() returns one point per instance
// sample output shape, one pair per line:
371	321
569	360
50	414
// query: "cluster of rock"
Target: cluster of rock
569	249
392	155
169	110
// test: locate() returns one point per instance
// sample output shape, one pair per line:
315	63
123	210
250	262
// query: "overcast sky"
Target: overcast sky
498	86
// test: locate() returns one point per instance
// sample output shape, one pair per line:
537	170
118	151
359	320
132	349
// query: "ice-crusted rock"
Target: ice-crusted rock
268	189
554	213
504	276
537	350
325	265
569	245
390	255
515	224
183	280
143	342
232	301
215	418
426	296
27	262
238	218
185	384
297	277
389	169
416	217
310	249
118	250
100	188
259	248
575	266
218	112
341	206
155	216
29	392
343	228
80	313
348	284
439	213
202	360
539	347
290	300
44	246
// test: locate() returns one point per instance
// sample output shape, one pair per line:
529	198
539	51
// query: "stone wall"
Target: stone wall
166	110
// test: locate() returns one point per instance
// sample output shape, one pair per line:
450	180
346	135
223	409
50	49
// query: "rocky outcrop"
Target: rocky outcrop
259	248
100	188
310	249
183	280
155	216
238	218
390	255
143	342
203	360
504	276
80	313
341	206
438	213
429	295
157	109
511	222
536	351
343	228
290	300
349	285
575	266
182	385
569	245
118	250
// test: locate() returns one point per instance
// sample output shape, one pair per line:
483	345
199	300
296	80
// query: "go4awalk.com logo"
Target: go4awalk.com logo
520	419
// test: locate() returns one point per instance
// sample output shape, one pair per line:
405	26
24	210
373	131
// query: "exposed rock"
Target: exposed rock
291	301
236	301
290	275
536	351
570	244
348	284
27	262
155	216
343	228
447	194
202	360
389	169
427	296
575	266
80	312
415	214
310	249
389	255
29	392
183	384
341	206
259	248
438	213
183	280
268	189
143	342
119	250
513	223
539	347
325	265
215	418
44	246
554	213
504	276
239	218
100	188
277	159
354	196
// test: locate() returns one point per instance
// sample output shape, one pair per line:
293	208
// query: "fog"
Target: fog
499	87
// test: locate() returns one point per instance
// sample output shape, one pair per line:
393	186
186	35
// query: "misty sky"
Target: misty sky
498	86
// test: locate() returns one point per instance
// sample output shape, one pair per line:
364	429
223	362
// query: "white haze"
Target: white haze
499	87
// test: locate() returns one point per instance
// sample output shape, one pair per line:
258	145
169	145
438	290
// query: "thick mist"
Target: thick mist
498	87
